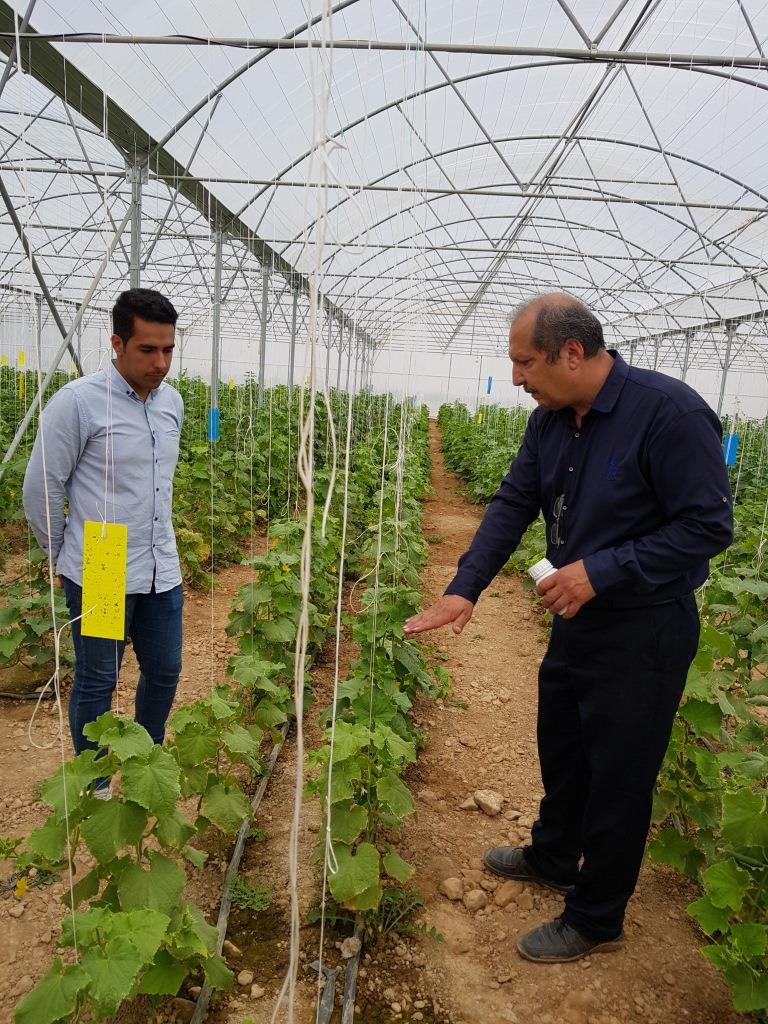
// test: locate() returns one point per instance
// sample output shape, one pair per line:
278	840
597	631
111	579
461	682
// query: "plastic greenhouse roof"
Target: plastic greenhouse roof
612	148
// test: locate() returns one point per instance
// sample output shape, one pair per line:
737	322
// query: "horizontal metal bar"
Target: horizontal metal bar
593	56
480	192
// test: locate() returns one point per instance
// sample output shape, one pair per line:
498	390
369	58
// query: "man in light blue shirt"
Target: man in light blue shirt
107	447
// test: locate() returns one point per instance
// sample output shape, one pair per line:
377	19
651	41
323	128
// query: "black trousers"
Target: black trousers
609	687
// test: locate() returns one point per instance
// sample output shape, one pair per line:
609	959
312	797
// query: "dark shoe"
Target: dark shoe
510	862
558	943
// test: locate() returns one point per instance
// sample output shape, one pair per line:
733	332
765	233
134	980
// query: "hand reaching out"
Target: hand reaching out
449	609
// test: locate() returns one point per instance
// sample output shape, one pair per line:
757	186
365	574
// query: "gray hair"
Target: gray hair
560	317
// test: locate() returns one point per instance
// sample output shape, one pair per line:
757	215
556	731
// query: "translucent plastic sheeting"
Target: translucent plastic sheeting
462	183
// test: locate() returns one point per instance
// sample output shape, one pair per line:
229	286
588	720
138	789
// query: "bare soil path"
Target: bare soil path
476	975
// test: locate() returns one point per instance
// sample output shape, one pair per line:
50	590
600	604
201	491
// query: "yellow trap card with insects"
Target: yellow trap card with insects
105	560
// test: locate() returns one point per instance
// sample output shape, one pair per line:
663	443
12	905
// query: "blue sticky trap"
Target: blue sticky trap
730	449
214	420
490	385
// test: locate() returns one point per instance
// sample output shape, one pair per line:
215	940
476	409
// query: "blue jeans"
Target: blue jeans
153	623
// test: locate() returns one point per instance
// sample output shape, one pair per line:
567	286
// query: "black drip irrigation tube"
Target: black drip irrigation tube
350	979
201	1007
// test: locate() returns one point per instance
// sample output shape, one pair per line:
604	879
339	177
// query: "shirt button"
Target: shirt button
570	469
576	434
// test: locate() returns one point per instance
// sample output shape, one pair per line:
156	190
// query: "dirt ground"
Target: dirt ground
483	737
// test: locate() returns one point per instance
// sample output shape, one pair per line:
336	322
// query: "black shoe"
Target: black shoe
510	862
558	943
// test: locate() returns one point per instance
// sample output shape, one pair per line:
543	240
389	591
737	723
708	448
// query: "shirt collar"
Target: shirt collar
119	381
609	393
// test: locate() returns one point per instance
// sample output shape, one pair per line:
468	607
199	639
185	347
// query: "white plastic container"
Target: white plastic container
540	571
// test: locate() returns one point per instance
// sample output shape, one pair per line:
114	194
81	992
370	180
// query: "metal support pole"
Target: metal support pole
355	384
730	330
36	270
263	334
338	364
349	358
448	386
213	411
687	356
656	354
292	350
65	344
479	375
328	355
138	175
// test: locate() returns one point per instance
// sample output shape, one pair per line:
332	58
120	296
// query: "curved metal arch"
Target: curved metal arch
662	213
370	314
256	59
539	218
537	137
418	93
536	261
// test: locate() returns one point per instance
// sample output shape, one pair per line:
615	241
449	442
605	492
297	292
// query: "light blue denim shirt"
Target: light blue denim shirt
111	457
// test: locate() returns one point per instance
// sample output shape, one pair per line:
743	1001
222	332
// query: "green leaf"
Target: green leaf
709	918
669	847
347	822
174	830
87	887
50	840
357	872
196	744
344	774
146	929
55	997
706	718
348	740
278	631
71	779
750	938
745	822
393	793
396	867
165	976
238	740
121	735
10	643
217	974
153	783
159	888
750	990
226	806
196	858
112	970
726	883
113	825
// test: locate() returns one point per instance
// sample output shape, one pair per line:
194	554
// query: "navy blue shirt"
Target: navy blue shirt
639	491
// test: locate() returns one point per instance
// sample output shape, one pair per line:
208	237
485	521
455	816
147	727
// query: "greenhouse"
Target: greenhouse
317	321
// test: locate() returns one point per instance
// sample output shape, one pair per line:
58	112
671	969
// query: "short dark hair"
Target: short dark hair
144	303
561	319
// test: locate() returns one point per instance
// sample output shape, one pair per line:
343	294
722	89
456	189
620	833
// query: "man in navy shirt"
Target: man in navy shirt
627	467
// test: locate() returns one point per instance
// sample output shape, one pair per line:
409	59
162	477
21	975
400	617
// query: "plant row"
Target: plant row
133	931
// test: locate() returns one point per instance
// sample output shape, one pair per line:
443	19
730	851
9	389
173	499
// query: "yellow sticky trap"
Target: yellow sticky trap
105	562
4	361
479	417
22	390
231	383
22	358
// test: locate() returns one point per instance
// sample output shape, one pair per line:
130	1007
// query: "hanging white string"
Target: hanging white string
321	79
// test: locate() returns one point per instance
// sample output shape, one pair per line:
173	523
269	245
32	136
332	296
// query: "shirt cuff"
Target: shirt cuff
464	587
605	571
